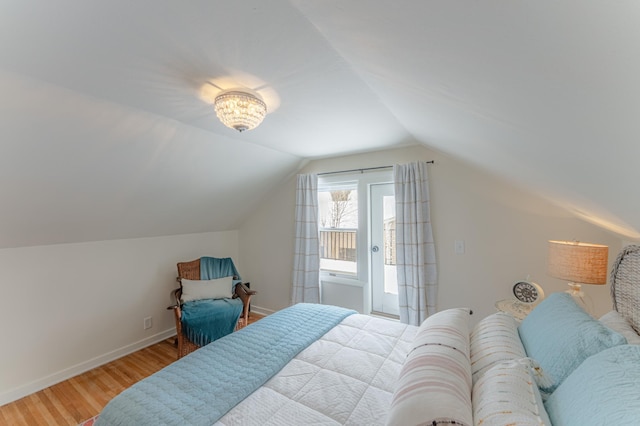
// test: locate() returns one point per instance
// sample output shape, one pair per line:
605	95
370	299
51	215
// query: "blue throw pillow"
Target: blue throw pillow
603	390
559	334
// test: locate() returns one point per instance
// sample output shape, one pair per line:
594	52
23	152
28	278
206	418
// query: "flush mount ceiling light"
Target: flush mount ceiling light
240	110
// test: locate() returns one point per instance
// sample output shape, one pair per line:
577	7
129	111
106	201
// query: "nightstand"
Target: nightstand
514	307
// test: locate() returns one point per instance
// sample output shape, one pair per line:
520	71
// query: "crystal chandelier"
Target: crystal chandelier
240	110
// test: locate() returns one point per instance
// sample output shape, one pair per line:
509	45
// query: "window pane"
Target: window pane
338	209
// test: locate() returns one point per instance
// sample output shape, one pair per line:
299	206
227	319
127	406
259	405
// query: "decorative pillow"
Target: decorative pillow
617	322
559	334
507	394
603	390
494	339
219	288
449	327
434	386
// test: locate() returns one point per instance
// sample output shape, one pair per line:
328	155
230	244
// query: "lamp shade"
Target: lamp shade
577	262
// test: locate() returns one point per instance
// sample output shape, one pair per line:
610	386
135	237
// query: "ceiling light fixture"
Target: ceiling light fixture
240	110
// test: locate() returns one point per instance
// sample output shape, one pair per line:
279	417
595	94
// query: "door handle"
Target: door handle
375	249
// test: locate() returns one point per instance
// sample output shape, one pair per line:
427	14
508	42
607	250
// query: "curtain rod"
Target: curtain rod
364	170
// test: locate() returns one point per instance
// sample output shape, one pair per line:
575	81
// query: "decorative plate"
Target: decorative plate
528	292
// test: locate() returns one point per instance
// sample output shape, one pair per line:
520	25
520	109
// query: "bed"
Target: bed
318	364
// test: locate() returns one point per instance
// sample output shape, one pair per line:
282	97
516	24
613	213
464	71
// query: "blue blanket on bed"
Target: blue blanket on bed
201	387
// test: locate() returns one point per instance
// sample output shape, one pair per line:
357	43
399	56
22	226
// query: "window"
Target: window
338	215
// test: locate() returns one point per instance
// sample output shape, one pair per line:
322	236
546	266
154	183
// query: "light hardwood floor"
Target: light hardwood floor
83	396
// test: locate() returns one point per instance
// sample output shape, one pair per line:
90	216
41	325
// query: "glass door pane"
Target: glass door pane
389	240
384	282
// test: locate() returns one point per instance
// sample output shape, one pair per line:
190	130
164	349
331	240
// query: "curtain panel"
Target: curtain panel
415	249
306	256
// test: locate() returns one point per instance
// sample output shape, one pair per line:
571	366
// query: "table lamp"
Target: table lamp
579	263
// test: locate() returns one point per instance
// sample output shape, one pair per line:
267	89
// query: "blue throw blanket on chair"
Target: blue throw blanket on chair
204	321
213	267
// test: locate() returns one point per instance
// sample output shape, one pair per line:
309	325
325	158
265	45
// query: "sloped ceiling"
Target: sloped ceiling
106	127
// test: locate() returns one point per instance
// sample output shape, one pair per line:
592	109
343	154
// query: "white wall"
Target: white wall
266	242
505	230
70	307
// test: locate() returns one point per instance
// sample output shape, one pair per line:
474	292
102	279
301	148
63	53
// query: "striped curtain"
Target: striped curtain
306	257
415	250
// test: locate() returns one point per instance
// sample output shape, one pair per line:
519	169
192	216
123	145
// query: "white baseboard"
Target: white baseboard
261	311
50	380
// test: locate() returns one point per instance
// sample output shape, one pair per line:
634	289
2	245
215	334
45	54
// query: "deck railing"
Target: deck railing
338	244
341	244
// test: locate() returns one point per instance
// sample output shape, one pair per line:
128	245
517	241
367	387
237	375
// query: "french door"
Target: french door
384	279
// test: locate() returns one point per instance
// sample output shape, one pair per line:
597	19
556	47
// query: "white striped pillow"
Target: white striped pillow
494	339
507	394
449	328
434	386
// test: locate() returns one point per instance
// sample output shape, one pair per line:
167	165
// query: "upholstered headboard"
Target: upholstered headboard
625	285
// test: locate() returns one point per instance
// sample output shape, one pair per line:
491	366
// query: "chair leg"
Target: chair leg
244	319
180	343
242	323
185	346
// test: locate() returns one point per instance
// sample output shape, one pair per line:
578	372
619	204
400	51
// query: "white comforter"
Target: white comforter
345	377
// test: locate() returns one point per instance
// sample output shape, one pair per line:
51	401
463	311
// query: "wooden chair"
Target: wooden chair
191	271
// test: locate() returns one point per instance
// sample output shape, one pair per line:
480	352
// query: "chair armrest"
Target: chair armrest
242	288
177	293
244	293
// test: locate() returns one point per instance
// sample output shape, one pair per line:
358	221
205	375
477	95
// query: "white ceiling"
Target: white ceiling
106	127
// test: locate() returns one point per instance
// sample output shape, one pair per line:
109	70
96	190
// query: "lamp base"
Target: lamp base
582	299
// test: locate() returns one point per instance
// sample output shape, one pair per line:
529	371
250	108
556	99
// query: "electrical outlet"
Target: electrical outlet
148	323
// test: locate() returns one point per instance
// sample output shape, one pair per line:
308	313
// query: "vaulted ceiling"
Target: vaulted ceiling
107	129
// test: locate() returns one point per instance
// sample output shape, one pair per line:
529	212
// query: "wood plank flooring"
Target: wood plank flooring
84	396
